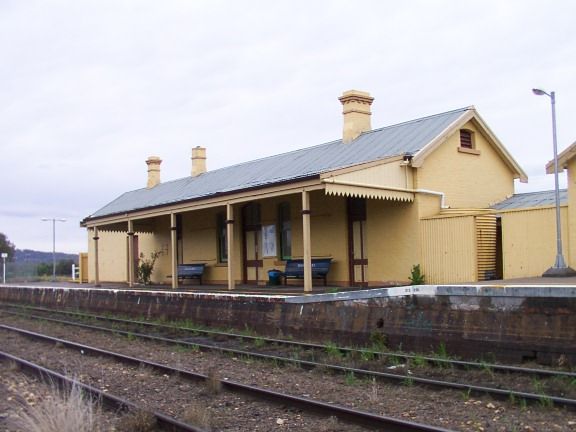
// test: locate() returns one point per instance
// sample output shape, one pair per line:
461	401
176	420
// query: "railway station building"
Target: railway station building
375	202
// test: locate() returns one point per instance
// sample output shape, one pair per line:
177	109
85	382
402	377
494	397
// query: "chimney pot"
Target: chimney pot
153	163
198	161
356	110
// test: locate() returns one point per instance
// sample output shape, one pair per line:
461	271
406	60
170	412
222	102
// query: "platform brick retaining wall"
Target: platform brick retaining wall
469	326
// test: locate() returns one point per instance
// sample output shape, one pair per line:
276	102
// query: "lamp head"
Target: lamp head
539	92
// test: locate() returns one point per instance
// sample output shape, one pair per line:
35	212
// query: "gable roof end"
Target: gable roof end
471	114
563	158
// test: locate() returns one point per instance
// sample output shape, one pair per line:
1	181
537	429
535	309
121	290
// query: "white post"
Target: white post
73	272
54	220
4	256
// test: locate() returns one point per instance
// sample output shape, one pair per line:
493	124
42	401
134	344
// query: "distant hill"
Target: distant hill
27	256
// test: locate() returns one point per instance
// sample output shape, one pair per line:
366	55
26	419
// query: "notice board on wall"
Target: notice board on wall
269	240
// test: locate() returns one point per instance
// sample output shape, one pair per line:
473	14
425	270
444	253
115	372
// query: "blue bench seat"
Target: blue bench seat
295	269
191	271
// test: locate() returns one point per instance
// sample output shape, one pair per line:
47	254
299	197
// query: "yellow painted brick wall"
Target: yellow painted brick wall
200	242
269	214
328	226
329	233
392	241
468	180
159	241
113	254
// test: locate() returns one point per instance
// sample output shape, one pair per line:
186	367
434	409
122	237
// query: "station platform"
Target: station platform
528	319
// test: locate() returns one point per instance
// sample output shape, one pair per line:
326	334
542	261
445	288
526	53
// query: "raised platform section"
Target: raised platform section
507	322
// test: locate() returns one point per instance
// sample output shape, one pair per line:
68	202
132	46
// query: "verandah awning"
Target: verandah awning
368	192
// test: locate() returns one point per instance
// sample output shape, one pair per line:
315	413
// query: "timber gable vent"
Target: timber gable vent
467	142
466	139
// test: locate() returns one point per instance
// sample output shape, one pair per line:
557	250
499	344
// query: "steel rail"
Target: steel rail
370	420
163	421
345	350
427	382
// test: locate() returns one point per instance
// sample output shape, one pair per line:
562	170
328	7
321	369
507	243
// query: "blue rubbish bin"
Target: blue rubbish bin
274	277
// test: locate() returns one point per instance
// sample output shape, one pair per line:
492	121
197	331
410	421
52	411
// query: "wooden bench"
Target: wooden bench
295	269
191	271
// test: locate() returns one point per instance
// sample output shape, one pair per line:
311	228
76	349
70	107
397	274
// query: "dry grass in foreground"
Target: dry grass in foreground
60	411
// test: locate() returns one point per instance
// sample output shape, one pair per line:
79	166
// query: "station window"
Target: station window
285	231
222	238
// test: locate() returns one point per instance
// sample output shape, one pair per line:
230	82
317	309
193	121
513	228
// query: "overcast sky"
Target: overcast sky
90	89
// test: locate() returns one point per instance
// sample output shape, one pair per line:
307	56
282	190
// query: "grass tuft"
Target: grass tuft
350	379
213	382
199	416
373	395
60	411
330	425
137	421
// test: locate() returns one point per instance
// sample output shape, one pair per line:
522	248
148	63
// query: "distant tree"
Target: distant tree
64	267
44	269
6	246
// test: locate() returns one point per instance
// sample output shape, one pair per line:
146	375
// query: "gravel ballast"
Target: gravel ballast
448	409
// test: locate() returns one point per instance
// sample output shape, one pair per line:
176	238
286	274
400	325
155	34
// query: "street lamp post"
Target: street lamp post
54	220
559	269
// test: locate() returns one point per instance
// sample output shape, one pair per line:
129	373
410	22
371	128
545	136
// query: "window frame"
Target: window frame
222	238
284	231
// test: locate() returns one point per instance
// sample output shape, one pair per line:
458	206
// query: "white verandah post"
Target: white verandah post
306	241
130	253
230	245
96	263
174	249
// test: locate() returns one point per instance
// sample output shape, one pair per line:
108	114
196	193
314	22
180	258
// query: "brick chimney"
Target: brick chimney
153	163
356	110
198	161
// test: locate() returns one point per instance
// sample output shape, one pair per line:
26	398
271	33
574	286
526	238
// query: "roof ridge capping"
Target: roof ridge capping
464	109
303	149
296	164
419	119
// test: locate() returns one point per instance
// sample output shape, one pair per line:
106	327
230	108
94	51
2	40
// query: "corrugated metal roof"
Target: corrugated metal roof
531	200
408	137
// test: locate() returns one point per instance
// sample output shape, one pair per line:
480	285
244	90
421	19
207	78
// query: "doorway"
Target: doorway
357	257
499	255
252	243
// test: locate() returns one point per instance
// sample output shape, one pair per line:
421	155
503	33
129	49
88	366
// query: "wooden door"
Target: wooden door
136	260
252	243
357	257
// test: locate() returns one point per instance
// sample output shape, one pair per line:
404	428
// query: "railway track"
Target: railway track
184	336
163	422
189	333
351	416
